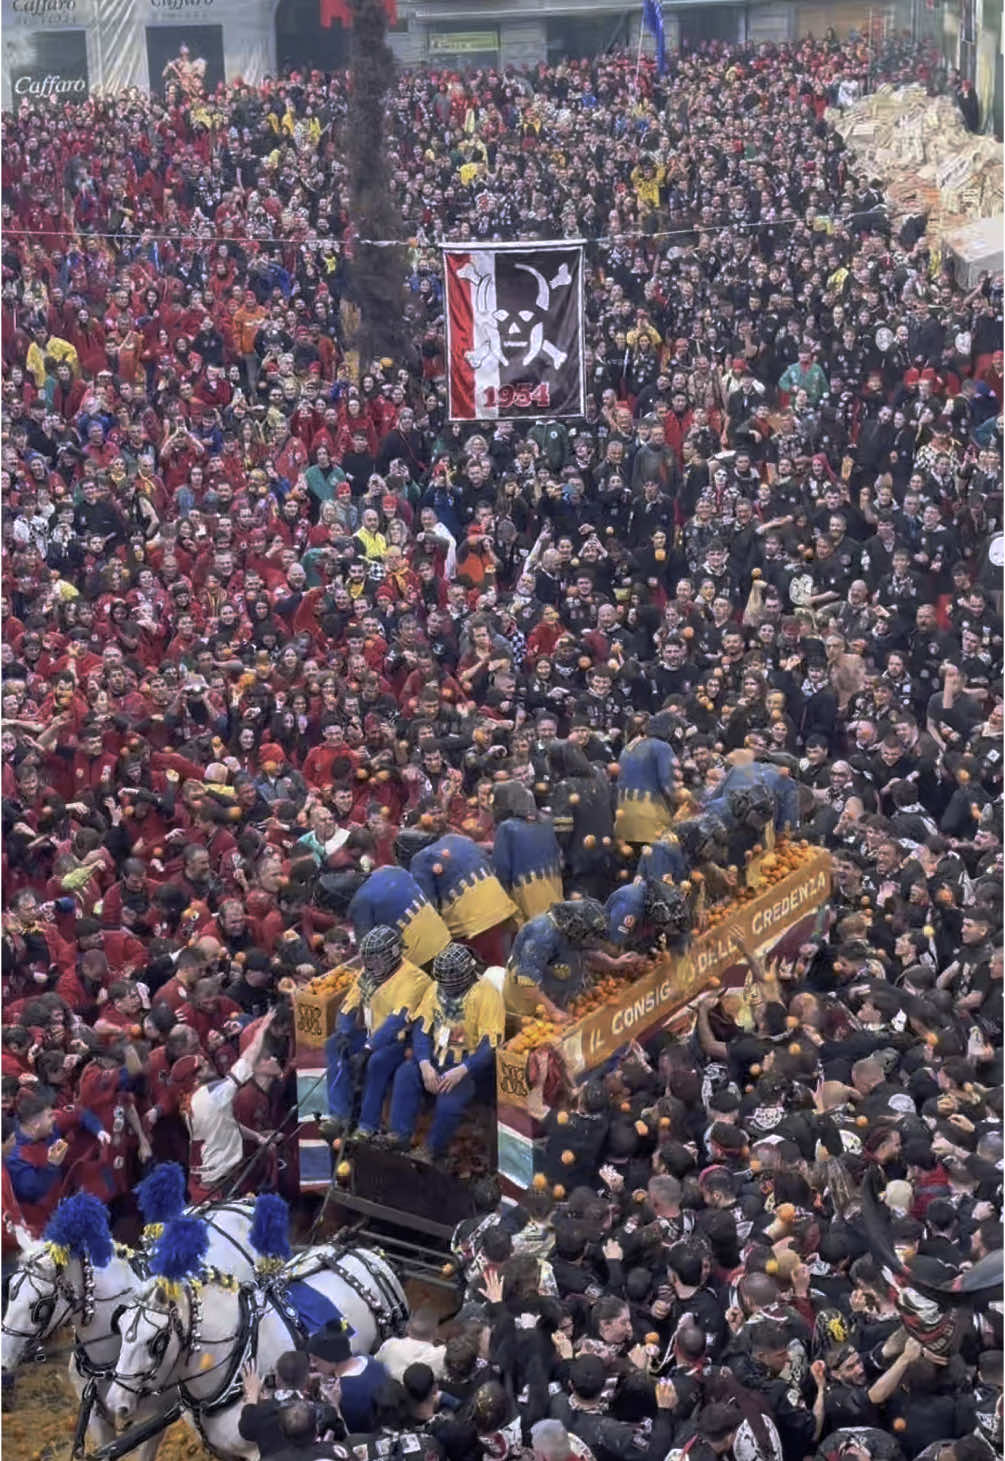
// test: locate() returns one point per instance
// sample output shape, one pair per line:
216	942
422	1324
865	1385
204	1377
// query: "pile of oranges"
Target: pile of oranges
539	1030
602	992
336	981
536	1032
774	867
787	858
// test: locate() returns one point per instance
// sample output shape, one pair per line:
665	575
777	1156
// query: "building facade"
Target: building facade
66	47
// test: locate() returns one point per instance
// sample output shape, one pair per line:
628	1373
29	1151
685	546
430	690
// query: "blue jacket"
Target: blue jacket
782	788
542	955
459	881
662	859
626	902
391	897
645	785
528	860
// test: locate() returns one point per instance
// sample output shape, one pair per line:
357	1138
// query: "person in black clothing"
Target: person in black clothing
96	515
768	1367
584	1413
930	1402
358	464
281	1419
847	1398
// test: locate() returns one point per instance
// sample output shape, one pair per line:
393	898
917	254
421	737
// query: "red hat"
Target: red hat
269	751
185	1072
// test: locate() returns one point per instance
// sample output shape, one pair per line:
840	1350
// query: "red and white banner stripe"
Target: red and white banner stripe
471	389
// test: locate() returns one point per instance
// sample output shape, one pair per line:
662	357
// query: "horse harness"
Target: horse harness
384	1304
388	1310
45	1305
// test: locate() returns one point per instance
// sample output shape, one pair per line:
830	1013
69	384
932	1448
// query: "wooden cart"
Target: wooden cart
396	1190
776	919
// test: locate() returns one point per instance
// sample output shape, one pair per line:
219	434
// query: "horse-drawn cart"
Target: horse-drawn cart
783	892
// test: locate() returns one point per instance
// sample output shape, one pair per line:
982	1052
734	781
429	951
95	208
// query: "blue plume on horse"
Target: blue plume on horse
179	1251
80	1226
161	1195
270	1227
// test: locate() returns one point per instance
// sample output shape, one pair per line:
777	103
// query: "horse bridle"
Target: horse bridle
45	1307
189	1338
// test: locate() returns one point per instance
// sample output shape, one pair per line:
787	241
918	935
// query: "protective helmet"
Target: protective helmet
704	839
380	951
667	908
580	918
568	759
662	726
751	806
335	891
455	969
512	799
411	840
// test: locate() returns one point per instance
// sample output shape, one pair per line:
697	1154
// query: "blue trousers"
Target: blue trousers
379	1073
406	1102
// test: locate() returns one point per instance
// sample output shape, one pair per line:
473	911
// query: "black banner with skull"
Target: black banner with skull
515	331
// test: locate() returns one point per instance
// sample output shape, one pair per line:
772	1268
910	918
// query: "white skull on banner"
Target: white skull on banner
514	336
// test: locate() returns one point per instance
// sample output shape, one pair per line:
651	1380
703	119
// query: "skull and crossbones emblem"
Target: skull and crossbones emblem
514	336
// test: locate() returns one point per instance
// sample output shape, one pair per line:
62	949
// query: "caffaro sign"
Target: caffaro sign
72	88
48	65
25	14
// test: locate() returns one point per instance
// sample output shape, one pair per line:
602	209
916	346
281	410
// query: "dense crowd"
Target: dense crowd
286	650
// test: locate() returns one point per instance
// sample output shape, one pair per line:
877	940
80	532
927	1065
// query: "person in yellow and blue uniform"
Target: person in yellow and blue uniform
368	1043
665	858
582	814
460	882
783	789
526	854
746	810
646	915
554	957
647	783
458	1026
391	897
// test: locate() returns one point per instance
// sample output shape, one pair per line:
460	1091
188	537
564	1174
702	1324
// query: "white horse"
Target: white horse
196	1336
46	1294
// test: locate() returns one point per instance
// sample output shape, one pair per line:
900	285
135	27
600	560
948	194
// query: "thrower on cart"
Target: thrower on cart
544	1065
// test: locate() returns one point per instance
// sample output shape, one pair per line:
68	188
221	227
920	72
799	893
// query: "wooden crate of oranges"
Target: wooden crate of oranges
315	1005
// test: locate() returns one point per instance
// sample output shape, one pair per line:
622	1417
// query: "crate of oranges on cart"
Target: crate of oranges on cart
778	894
315	1005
